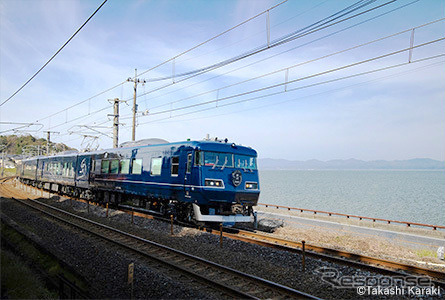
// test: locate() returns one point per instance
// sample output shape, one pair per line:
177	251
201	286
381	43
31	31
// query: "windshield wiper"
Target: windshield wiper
225	163
216	162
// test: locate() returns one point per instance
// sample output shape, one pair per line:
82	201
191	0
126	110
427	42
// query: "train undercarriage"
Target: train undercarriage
186	212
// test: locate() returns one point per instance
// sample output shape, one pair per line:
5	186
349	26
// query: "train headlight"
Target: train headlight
251	185
217	183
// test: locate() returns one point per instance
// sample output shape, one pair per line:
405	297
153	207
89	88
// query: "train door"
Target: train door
188	175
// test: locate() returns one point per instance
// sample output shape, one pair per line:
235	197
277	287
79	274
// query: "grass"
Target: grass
19	281
425	253
8	172
43	260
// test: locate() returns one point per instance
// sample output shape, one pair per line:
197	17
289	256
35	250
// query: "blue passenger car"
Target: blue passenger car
208	181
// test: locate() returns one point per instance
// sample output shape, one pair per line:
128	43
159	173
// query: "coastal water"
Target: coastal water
415	196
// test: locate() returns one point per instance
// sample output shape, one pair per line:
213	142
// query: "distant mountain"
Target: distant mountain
350	164
18	144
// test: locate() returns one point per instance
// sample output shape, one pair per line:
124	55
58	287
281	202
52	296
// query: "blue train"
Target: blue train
204	181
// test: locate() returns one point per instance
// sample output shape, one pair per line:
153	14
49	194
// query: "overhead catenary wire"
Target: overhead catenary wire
272	56
299	88
166	61
227	45
342	51
224	63
92	113
169	120
296	65
299	79
55	54
325	23
355	6
212	38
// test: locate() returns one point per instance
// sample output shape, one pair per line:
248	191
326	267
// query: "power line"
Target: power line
299	98
66	43
254	34
359	4
161	105
212	38
296	80
107	107
171	59
310	29
221	64
308	86
298	65
272	56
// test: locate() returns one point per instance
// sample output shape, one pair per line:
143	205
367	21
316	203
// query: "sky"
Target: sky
337	103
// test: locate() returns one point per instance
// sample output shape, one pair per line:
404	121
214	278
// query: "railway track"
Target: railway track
341	257
230	282
377	265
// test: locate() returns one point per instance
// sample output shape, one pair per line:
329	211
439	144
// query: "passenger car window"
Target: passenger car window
137	166
114	166
125	166
105	167
156	166
175	166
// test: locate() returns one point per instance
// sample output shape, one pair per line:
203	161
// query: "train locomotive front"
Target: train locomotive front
228	183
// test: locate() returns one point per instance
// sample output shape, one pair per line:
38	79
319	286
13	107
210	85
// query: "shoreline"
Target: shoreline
428	232
391	247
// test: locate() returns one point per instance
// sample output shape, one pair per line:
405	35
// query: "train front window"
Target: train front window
245	162
218	159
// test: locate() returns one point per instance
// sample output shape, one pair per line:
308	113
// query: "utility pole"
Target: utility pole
136	81
48	139
115	121
116	124
2	148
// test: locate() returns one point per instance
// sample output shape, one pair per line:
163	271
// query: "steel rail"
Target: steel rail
408	224
212	274
339	256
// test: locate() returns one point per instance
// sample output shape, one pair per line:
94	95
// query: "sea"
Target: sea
403	195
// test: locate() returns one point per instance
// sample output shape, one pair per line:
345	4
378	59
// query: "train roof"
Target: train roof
204	145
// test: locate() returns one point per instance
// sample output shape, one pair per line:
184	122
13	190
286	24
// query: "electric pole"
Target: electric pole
115	121
136	81
48	138
2	148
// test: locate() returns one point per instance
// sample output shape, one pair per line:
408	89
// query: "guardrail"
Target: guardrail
408	224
